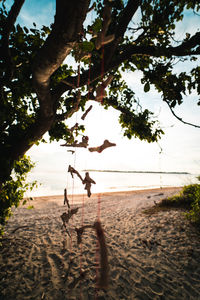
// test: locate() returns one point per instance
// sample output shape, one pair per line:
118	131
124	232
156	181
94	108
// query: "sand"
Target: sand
154	256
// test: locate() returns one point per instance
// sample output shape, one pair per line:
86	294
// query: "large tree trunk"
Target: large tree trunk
66	32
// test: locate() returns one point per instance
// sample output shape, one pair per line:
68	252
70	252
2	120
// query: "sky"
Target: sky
180	145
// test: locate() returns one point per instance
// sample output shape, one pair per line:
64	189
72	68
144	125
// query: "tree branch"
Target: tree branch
125	18
180	119
10	21
58	45
191	43
129	51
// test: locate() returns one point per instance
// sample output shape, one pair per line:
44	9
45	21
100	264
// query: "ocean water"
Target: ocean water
109	182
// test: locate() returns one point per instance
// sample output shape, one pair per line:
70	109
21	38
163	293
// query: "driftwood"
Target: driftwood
99	149
100	91
73	127
73	171
80	232
88	183
86	112
82	144
66	216
72	151
104	267
66	199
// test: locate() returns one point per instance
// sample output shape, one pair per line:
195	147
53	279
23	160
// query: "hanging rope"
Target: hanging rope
160	165
101	249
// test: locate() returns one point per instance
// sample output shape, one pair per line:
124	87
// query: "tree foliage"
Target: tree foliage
39	91
12	191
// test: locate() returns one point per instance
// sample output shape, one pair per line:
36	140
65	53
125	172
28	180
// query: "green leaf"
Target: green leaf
26	29
97	25
87	46
30	207
146	87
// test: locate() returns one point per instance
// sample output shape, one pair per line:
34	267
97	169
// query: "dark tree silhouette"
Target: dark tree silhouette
38	91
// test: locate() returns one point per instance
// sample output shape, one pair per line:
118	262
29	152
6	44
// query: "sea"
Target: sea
111	181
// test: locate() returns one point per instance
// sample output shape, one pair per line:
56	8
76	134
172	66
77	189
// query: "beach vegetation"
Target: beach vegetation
188	200
14	189
40	90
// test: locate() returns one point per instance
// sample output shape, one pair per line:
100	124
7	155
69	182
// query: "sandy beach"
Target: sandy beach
150	256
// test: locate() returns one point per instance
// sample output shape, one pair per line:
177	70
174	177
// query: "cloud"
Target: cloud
41	13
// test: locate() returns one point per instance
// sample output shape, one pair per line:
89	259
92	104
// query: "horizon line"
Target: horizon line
128	171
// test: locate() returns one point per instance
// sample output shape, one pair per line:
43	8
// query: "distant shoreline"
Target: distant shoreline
139	172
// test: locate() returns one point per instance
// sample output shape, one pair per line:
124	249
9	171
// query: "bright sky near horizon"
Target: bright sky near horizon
180	144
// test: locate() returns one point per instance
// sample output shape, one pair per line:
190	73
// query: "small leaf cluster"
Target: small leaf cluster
134	121
159	19
140	125
13	190
172	86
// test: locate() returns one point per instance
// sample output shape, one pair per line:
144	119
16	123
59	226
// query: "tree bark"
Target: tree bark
58	45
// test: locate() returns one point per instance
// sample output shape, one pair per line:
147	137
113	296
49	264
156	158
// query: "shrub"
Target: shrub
194	214
189	198
12	192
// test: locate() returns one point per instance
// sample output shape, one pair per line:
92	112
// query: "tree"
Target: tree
39	91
